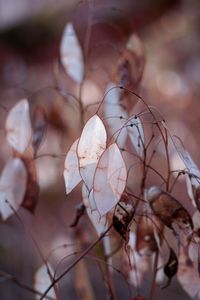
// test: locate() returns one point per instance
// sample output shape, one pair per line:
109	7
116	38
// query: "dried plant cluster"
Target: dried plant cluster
122	161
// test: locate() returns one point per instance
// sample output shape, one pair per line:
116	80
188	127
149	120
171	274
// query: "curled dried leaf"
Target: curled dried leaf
123	215
169	210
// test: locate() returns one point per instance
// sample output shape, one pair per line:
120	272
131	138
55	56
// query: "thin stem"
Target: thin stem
73	264
21	284
37	248
153	286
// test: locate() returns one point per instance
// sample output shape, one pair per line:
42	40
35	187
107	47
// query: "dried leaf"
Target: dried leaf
18	126
169	210
39	125
42	281
91	145
71	172
123	215
71	54
12	187
171	267
109	179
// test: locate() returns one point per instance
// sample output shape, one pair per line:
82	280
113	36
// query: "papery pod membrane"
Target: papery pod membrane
91	94
71	54
129	70
188	274
71	169
100	223
42	281
146	243
116	115
136	134
139	265
91	145
130	64
123	215
193	176
109	179
13	182
195	194
18	126
169	210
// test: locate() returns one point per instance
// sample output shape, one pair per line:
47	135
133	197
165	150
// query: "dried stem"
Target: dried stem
153	286
73	264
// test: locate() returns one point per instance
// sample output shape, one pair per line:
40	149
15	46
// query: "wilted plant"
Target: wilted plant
126	194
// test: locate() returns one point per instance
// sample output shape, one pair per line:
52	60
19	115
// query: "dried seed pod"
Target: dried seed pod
129	70
146	243
188	273
171	267
32	187
130	65
169	210
123	215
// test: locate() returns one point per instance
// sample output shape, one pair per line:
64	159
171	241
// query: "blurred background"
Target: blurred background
30	35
